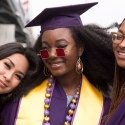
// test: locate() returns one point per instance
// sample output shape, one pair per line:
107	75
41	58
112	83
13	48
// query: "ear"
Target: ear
80	50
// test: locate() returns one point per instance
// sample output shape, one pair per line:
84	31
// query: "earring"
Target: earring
46	71
79	66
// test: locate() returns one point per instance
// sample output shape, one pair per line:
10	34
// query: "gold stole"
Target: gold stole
90	105
31	110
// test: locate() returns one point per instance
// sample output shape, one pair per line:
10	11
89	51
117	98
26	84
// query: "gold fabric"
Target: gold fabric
88	112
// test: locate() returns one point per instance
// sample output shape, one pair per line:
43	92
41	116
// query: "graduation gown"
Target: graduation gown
13	114
118	117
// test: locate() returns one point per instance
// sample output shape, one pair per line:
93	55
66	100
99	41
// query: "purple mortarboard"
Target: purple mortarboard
60	17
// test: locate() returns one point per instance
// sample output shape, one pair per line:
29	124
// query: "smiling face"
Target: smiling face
12	71
60	38
119	49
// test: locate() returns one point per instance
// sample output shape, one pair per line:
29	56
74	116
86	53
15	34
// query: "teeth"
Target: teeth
123	54
57	64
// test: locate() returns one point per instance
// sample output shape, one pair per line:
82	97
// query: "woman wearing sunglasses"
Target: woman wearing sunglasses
76	66
116	114
17	65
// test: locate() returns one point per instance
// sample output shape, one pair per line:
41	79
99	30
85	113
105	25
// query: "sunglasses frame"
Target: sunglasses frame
48	53
55	51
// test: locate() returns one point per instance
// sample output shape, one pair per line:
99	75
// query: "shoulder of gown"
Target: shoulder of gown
118	117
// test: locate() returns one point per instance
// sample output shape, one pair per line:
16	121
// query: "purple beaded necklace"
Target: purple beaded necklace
72	106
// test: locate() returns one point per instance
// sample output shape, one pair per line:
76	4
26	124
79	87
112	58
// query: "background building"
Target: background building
12	22
15	14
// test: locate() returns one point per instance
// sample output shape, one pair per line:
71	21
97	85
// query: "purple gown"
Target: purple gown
59	101
118	117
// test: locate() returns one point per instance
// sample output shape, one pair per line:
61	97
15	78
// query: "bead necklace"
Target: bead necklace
48	95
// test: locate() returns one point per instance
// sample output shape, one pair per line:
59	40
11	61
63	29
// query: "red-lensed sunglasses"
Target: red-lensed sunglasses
60	52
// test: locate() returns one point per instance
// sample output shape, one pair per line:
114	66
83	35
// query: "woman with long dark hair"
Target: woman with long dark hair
17	66
116	114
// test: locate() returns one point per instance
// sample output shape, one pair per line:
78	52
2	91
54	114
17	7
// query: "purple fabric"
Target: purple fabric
61	22
9	113
106	106
60	17
57	115
59	100
58	108
118	117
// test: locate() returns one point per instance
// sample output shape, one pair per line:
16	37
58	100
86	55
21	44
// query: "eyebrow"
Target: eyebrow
14	65
22	73
61	40
11	61
57	41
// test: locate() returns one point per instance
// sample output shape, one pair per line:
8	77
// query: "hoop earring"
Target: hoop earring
46	71
79	66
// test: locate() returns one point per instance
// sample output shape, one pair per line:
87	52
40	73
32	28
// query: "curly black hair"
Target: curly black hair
98	58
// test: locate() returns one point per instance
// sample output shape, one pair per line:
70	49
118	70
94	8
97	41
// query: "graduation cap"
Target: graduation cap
60	17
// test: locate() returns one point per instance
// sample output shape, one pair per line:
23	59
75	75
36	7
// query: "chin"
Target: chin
57	73
121	64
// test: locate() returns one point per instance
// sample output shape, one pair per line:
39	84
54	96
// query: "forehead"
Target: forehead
56	34
16	56
57	30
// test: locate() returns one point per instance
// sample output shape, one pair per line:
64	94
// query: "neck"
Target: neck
69	82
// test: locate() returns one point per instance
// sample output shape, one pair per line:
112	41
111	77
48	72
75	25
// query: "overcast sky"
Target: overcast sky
104	13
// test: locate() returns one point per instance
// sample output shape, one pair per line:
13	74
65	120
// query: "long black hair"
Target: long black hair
98	58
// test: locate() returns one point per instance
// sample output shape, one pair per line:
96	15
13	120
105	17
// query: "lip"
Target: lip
2	84
55	65
121	55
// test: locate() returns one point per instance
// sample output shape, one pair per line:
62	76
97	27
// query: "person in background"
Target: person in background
17	65
116	114
77	66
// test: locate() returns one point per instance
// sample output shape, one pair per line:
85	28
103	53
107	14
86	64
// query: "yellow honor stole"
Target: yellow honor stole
31	110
